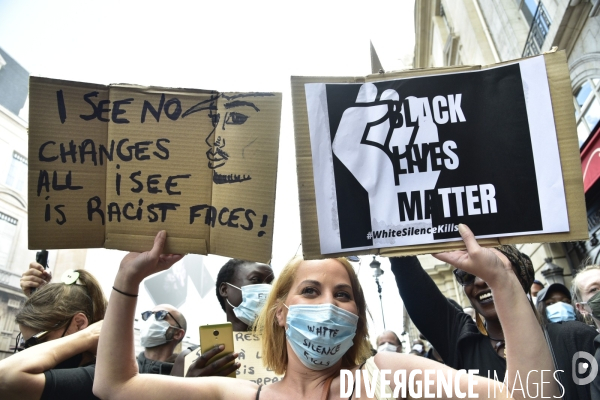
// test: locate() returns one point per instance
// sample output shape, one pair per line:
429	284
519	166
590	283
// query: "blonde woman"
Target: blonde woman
314	326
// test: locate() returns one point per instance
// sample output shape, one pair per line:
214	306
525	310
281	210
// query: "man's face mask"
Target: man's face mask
560	311
254	298
154	333
418	347
387	347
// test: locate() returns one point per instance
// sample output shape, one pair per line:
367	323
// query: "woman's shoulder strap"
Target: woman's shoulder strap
258	391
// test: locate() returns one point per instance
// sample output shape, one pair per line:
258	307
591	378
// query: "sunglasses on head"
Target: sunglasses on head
464	278
159	316
38	338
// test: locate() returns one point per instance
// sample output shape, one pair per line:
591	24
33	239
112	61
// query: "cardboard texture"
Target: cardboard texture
249	347
560	93
132	160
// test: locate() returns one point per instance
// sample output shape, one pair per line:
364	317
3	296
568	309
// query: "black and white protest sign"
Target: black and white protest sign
404	161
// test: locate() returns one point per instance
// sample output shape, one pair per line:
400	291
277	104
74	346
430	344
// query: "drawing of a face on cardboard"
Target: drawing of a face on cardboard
236	127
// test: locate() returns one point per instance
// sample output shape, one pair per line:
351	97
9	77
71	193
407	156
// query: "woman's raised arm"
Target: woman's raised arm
22	374
527	353
116	368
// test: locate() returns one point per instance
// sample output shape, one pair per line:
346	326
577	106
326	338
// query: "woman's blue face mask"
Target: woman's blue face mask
320	334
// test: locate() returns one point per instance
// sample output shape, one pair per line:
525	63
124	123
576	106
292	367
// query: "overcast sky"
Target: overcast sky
220	45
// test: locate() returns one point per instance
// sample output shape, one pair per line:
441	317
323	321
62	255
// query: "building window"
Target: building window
539	21
587	108
8	229
17	173
528	8
452	50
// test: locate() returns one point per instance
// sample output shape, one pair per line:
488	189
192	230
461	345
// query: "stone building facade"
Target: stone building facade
481	32
14	253
13	196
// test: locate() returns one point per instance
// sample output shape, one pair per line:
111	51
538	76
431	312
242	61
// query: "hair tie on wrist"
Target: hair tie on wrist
123	293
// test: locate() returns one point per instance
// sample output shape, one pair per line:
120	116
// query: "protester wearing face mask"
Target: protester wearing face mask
162	329
585	289
60	326
418	348
554	304
568	336
388	341
242	288
536	286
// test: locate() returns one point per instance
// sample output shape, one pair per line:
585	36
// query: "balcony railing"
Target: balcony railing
538	31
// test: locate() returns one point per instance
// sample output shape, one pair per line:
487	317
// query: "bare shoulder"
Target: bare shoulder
214	387
272	391
236	389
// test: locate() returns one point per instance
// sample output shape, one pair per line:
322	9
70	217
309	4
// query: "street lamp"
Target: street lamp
377	272
552	272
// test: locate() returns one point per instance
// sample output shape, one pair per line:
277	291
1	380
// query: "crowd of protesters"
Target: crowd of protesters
76	345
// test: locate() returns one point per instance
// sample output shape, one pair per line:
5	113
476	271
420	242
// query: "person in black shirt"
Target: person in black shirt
60	326
584	289
465	344
163	328
554	304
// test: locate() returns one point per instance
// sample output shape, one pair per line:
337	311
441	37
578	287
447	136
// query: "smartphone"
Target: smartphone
215	335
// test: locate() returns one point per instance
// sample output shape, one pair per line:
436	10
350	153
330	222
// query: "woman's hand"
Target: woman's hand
482	262
527	353
35	277
137	266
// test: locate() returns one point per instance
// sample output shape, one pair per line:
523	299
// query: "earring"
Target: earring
480	324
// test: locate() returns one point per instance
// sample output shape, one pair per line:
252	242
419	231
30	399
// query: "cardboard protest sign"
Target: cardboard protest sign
109	166
394	162
248	345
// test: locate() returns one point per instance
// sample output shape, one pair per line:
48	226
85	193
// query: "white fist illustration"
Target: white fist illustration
365	141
